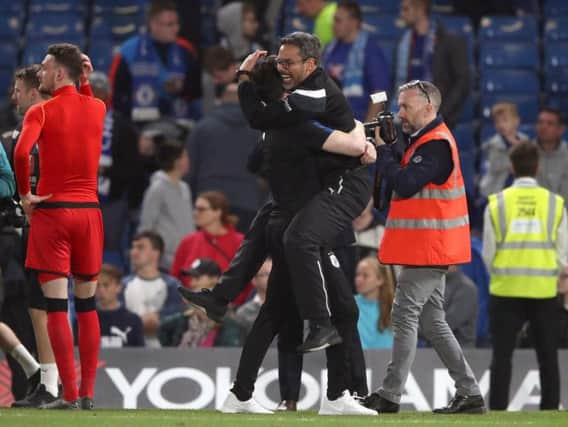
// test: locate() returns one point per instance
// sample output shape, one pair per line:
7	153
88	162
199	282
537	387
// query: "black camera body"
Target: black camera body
387	127
11	214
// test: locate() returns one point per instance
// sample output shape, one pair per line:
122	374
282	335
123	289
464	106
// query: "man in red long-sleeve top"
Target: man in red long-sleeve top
66	233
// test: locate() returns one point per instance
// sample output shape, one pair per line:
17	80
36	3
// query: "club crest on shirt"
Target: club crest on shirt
417	159
334	260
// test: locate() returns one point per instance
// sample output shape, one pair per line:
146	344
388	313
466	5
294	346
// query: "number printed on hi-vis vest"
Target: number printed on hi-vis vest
526	226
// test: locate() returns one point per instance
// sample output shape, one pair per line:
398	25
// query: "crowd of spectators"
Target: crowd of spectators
174	187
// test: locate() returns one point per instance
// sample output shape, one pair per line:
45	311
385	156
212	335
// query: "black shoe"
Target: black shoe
39	397
87	403
205	301
61	404
33	382
464	405
319	338
380	404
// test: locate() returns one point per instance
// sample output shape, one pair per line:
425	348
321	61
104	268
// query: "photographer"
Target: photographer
427	230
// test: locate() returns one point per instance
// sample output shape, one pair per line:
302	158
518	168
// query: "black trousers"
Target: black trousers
507	316
279	315
318	225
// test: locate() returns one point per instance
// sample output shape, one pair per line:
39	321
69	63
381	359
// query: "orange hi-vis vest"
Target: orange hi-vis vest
432	226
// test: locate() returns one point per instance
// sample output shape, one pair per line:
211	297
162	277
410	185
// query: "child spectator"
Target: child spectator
239	35
375	287
167	208
495	169
147	292
192	327
119	326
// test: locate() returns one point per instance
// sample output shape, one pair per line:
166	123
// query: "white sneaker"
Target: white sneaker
344	405
232	405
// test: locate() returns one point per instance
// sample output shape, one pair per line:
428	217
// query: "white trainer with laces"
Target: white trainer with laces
344	405
232	405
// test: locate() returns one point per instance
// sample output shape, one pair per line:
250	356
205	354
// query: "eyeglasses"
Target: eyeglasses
201	208
418	83
287	63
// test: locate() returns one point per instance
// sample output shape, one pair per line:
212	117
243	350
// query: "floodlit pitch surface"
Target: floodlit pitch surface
159	418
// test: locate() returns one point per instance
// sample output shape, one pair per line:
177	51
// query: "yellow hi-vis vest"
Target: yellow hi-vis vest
525	220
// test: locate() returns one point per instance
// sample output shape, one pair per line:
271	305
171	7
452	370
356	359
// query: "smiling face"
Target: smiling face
292	67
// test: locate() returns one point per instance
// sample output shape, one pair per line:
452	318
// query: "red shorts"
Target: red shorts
66	241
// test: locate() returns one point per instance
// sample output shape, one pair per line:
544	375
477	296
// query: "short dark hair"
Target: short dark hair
308	44
155	239
28	75
267	79
217	58
352	7
111	271
168	151
69	56
158	6
524	159
556	112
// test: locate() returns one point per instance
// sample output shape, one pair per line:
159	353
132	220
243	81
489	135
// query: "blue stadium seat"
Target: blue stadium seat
556	80
8	56
10	27
463	133
117	28
467	114
460	25
12	8
382	6
508	28
34	53
558	101
556	55
443	6
528	105
388	27
298	23
556	29
119	7
5	81
60	25
555	8
78	7
509	81
509	55
101	53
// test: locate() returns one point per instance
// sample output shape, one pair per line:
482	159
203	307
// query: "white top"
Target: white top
143	296
489	240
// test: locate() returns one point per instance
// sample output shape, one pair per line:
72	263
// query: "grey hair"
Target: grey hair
308	44
426	89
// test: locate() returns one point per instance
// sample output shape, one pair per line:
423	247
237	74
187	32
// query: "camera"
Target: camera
384	120
387	128
11	214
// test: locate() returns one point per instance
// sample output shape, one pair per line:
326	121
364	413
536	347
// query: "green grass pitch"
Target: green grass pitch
159	418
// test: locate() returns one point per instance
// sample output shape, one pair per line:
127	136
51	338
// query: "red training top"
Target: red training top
69	131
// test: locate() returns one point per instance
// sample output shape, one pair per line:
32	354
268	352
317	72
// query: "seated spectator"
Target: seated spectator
375	287
495	168
461	305
322	12
369	229
147	292
219	163
157	74
192	327
240	321
119	326
166	208
553	152
355	60
216	239
240	36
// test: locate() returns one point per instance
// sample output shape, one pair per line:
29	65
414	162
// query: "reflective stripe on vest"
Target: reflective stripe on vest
431	193
525	264
435	224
